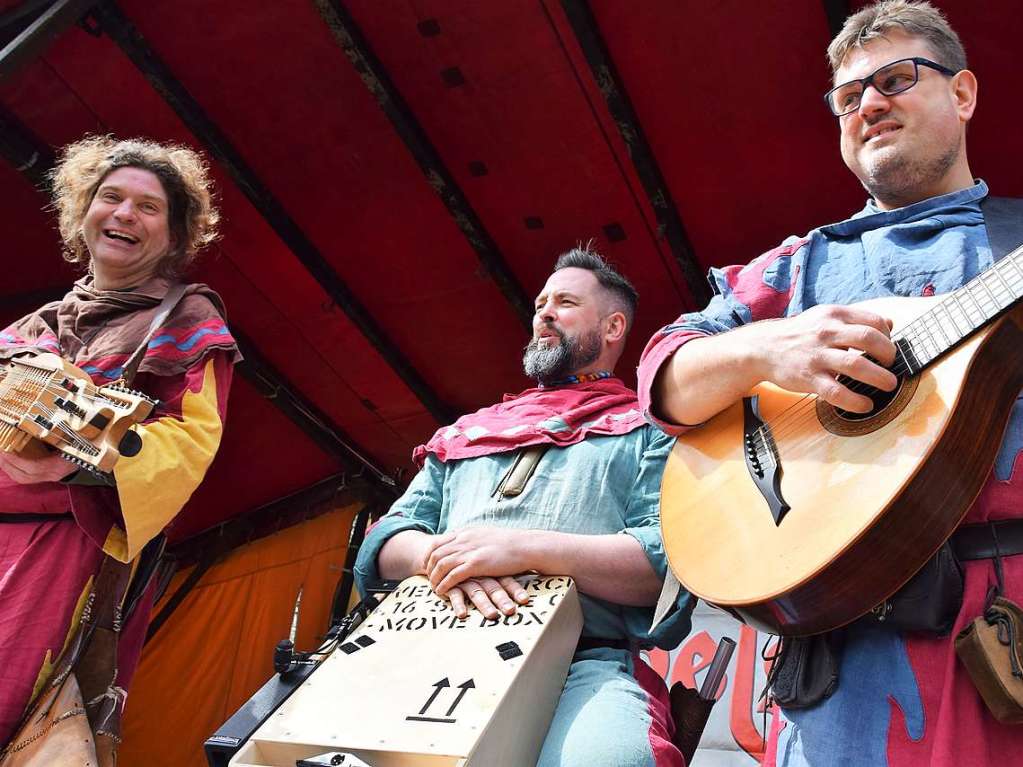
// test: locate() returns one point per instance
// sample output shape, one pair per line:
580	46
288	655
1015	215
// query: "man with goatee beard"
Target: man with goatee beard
589	510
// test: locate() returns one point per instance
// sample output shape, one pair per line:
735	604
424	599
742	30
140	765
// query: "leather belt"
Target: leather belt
16	518
593	643
979	541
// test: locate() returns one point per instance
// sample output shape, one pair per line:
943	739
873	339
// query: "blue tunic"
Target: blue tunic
901	701
608	714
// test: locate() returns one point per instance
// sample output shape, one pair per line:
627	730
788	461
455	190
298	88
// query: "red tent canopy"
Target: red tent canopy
396	179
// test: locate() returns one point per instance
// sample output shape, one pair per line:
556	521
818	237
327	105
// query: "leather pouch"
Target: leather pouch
56	732
991	649
930	601
59	728
805	671
690	713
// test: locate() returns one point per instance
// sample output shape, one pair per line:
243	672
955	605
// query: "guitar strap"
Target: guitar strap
1003	218
131	366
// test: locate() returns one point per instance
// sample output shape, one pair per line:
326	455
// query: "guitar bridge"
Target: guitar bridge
762	458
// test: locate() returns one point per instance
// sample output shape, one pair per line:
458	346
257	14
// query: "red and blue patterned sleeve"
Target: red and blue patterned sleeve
759	290
179	442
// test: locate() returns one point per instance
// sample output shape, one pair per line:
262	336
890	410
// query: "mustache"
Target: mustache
549	326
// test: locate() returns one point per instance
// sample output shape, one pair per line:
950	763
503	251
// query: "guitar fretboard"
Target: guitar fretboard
960	314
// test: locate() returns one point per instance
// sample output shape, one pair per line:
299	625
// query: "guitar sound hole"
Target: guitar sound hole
880	399
886	406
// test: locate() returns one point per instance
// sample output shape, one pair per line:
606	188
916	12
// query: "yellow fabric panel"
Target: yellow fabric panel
216	650
50	661
153	485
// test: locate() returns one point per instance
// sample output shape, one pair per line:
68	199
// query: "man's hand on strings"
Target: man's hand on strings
28	471
807	352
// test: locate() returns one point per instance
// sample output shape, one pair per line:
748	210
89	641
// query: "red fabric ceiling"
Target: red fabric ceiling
727	93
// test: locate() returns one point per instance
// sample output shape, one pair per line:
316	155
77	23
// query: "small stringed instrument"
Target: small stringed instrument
799	517
47	401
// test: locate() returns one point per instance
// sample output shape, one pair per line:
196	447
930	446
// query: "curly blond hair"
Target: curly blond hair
192	216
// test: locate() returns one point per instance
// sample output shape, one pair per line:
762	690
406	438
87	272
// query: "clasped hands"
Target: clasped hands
477	565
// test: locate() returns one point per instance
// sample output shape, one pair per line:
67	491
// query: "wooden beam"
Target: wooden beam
40	34
605	74
378	81
114	23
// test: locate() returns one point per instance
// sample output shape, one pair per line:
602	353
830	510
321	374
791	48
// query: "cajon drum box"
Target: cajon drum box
414	686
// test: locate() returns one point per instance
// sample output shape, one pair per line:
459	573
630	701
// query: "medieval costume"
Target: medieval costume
601	475
902	700
55	534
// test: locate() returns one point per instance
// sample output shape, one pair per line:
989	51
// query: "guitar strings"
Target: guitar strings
799	415
20	388
52	387
919	334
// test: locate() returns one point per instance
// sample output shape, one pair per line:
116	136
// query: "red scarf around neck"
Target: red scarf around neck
558	416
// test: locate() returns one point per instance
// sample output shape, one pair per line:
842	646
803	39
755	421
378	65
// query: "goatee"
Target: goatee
547	364
895	179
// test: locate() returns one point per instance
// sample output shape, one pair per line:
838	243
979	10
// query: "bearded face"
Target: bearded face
546	361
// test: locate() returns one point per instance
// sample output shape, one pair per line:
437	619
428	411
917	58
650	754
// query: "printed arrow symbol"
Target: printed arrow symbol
437	687
463	688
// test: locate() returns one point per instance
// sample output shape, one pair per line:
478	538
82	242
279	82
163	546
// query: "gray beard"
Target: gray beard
552	363
896	180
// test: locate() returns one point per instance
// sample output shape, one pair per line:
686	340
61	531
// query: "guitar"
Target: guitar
799	517
47	401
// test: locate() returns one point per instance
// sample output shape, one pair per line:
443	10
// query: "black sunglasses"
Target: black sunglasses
897	77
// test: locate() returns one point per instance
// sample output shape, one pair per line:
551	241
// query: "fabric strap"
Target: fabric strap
670	592
515	479
1003	219
174	295
988	540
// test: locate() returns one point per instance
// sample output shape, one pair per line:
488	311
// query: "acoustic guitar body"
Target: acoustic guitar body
869	500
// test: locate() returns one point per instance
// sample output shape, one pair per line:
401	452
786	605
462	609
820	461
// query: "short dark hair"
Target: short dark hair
621	290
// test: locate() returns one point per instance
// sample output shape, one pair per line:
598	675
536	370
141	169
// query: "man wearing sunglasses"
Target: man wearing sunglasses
902	100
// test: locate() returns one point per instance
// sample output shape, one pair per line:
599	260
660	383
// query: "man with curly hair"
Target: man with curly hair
134	214
869	694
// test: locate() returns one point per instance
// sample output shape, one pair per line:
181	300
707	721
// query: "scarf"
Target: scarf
97	330
560	416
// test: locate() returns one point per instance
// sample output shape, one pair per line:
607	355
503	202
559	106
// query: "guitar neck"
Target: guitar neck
961	314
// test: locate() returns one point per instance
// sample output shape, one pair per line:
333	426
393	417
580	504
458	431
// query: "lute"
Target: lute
799	517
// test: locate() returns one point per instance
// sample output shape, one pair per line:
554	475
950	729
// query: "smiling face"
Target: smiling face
126	228
910	146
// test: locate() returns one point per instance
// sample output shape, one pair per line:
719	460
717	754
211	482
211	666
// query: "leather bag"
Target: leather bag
57	732
75	719
930	601
991	649
805	671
